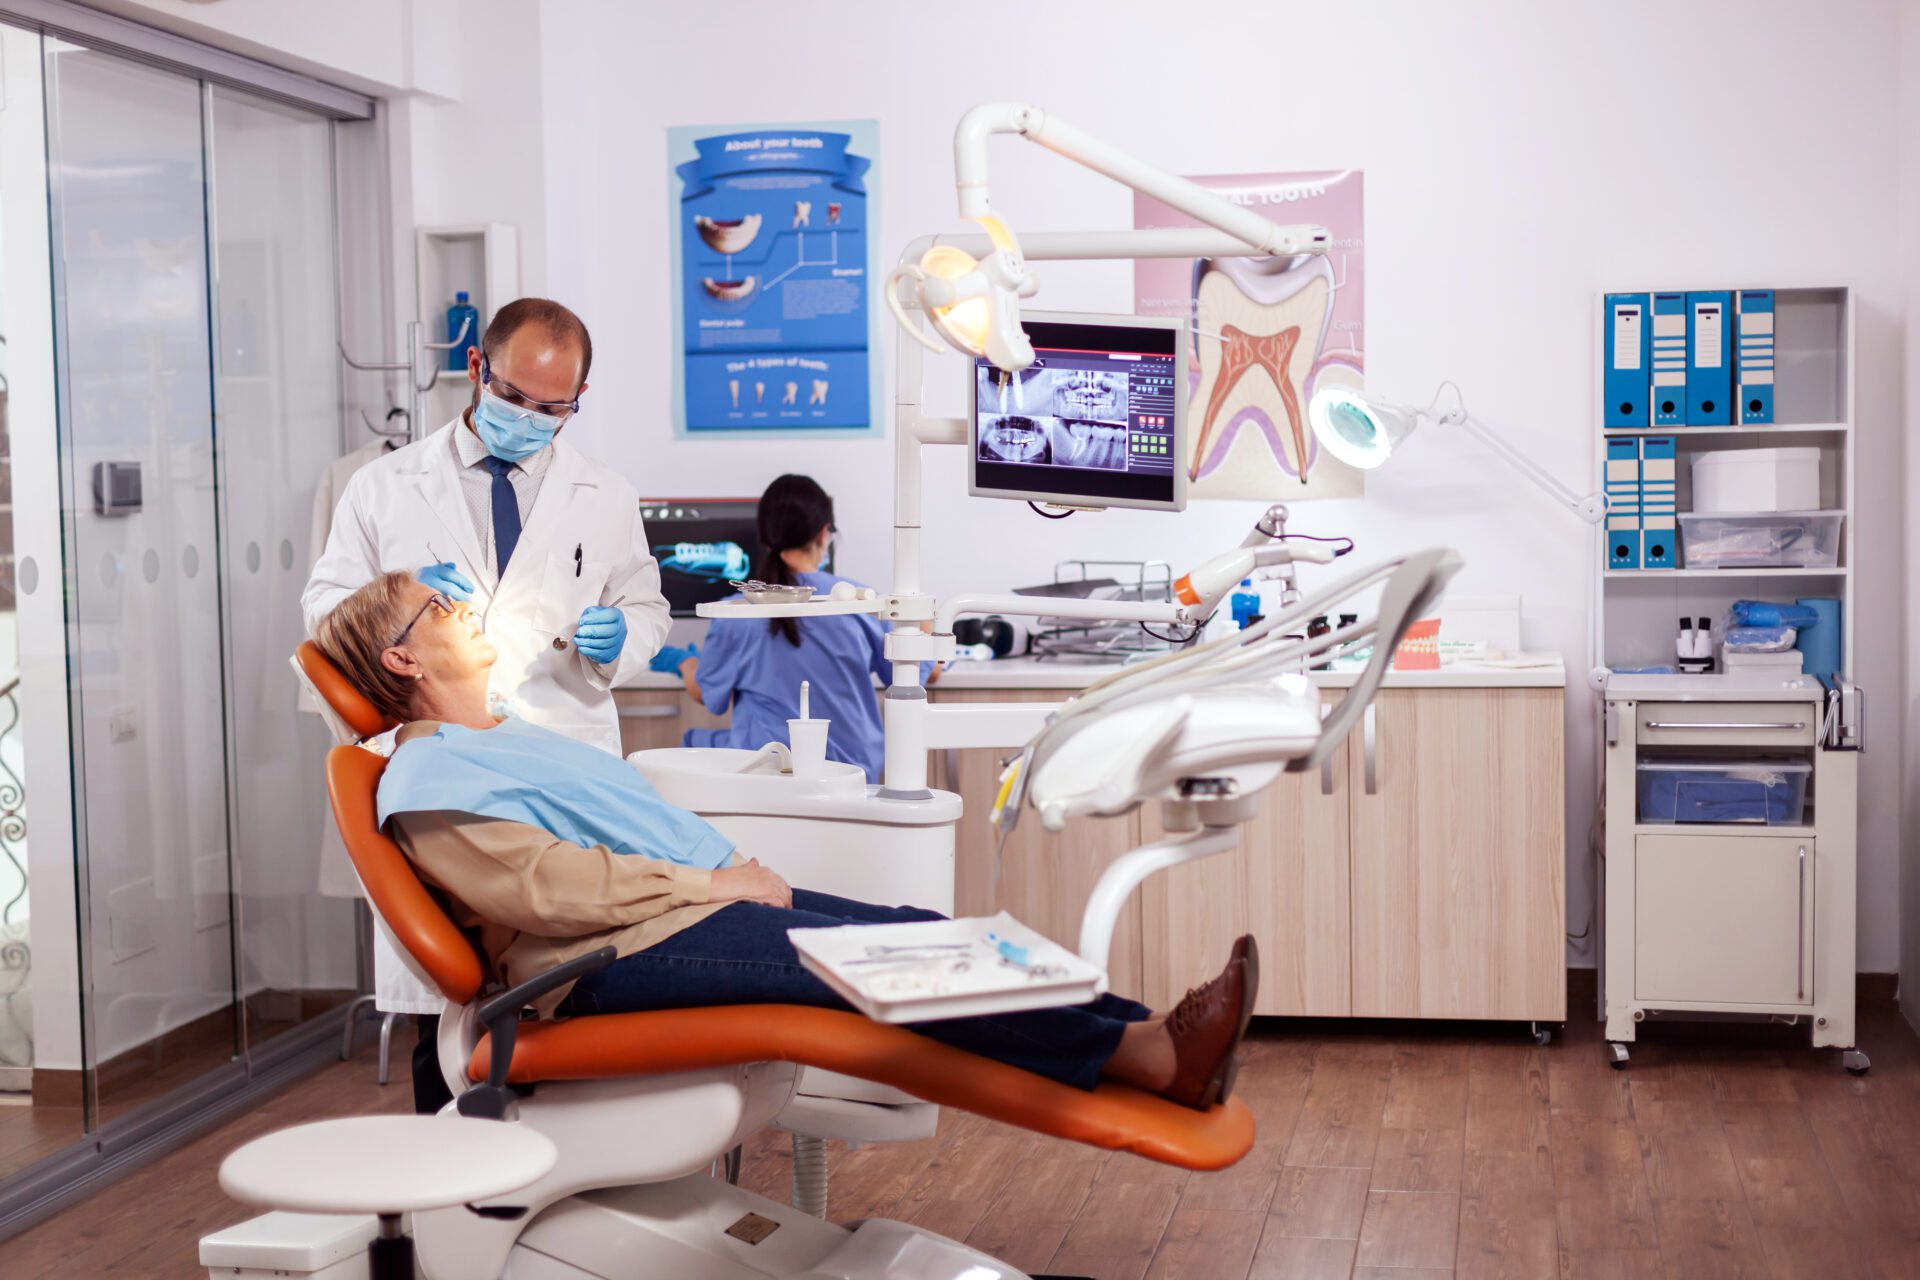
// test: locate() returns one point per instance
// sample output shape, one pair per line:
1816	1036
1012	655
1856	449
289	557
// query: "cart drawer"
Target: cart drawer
1726	724
1723	919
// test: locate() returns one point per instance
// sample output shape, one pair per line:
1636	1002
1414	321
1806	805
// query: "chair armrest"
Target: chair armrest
500	1015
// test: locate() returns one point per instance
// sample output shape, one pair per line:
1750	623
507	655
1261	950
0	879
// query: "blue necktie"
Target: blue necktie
506	512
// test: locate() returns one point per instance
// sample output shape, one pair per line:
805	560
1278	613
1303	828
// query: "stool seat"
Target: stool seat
386	1164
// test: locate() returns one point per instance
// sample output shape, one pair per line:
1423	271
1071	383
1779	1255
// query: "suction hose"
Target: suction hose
810	1175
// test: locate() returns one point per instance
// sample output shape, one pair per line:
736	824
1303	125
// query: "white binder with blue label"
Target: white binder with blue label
1755	309
1709	358
1628	365
1667	344
1659	547
1623	502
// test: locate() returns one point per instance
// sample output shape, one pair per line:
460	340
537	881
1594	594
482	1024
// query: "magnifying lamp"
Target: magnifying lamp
1364	432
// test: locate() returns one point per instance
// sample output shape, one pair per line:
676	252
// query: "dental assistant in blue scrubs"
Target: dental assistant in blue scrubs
755	667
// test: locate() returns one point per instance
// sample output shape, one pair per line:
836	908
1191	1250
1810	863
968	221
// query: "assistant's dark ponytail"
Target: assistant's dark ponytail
793	511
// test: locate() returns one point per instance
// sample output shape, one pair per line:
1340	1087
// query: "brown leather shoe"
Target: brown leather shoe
1206	1028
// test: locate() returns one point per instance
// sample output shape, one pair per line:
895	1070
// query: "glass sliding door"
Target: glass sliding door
277	414
42	1098
128	179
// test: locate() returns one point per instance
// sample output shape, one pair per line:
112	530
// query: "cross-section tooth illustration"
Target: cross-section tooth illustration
1261	323
728	236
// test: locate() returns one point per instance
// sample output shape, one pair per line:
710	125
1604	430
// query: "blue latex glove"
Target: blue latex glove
602	633
668	660
445	578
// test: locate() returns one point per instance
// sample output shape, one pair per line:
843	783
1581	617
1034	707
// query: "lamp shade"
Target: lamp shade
1360	432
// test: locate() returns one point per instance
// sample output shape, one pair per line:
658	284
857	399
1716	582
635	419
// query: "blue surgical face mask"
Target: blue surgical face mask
511	432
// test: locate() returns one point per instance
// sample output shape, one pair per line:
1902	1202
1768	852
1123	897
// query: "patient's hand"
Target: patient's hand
751	882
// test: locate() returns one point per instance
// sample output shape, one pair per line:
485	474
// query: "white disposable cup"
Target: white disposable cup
807	740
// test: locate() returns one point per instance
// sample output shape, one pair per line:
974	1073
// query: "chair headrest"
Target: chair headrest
418	921
347	702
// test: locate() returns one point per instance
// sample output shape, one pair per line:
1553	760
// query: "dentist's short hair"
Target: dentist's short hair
358	631
553	320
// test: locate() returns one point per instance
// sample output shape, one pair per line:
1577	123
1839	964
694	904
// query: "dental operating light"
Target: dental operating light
974	302
1364	432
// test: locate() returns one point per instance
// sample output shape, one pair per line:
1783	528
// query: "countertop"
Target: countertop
1032	673
1728	686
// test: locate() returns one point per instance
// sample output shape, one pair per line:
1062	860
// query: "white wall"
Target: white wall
1517	162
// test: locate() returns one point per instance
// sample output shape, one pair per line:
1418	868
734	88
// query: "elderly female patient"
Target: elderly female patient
551	848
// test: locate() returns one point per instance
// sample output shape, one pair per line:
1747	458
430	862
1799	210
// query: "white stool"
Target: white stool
386	1166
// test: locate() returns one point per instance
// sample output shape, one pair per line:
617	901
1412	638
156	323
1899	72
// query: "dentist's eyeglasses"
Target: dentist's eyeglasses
438	602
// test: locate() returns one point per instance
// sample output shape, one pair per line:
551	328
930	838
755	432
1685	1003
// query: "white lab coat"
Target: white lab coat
395	506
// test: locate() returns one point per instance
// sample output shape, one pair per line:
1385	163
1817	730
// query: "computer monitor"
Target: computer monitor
703	545
1098	420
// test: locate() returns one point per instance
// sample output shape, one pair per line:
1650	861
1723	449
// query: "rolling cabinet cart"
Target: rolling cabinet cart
1748	907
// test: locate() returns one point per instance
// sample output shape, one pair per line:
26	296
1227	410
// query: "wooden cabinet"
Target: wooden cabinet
1043	878
1286	884
651	718
1459	855
1437	893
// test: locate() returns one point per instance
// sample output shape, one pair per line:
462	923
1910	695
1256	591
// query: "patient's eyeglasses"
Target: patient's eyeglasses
438	602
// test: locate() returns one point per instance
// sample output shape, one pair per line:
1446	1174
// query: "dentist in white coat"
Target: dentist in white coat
545	543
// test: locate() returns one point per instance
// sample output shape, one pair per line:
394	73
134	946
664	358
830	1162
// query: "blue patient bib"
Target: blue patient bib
521	772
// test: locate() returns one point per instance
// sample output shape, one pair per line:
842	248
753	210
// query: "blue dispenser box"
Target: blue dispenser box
1668	344
1628	360
1709	358
1755	309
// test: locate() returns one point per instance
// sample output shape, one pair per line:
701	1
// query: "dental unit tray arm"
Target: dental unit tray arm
500	1015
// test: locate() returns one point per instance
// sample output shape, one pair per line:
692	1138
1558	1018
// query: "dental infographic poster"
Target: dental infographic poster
1266	334
776	251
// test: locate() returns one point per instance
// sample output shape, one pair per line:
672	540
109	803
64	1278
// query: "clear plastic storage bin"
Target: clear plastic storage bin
1765	792
1774	540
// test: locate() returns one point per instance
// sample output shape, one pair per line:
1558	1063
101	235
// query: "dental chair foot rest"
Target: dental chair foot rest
1113	1116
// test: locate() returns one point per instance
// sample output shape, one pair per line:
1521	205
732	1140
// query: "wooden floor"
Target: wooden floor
1400	1154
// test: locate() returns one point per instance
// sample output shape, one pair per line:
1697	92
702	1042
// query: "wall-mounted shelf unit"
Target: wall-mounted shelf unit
1640	609
482	258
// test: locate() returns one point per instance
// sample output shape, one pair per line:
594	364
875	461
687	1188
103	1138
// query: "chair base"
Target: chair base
700	1228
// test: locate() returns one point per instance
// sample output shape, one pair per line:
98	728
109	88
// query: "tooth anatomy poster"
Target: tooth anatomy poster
776	250
1266	334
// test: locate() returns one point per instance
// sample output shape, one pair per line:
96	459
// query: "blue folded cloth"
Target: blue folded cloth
1767	613
1745	795
1759	639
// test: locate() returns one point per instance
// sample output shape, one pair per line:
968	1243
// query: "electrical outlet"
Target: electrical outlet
123	724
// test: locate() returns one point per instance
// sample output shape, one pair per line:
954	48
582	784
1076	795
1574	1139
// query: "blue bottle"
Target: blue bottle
1246	603
461	313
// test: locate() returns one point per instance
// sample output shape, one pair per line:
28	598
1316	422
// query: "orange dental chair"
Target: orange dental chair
641	1104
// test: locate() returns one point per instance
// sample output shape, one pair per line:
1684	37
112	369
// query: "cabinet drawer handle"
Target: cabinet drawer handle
1795	725
1800	939
1367	741
1326	766
651	711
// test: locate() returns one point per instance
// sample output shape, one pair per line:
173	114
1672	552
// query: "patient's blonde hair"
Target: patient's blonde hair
358	631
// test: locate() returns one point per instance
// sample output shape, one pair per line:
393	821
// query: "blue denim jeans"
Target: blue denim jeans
740	955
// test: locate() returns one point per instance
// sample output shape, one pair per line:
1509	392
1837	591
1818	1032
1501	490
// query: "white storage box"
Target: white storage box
1756	480
1771	540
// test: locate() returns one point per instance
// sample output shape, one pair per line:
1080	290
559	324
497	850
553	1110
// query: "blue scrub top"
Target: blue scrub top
747	665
